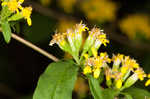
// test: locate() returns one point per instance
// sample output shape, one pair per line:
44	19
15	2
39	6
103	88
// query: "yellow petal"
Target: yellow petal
148	75
96	73
4	3
86	56
119	84
94	51
29	21
87	70
147	82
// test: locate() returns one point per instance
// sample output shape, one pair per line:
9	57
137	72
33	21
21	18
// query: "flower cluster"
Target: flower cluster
95	64
100	10
71	40
134	25
123	67
17	11
120	71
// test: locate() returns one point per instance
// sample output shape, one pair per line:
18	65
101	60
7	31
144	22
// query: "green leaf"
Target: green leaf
138	93
109	93
95	88
128	96
6	30
57	82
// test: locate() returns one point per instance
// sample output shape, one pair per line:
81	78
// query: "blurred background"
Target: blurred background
126	23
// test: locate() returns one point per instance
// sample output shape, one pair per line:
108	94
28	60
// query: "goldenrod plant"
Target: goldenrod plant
107	77
12	10
117	73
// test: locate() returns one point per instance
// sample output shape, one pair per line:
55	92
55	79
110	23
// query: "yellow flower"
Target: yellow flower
58	38
117	59
100	10
98	62
13	5
87	70
133	24
93	34
26	12
94	51
124	69
104	57
96	73
95	64
148	81
79	28
140	73
119	83
128	64
103	39
89	61
86	56
99	36
108	74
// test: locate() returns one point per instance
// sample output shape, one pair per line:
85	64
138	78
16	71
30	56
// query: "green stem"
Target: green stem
76	59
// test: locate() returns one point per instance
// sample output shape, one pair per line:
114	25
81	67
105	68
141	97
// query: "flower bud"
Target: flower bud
131	80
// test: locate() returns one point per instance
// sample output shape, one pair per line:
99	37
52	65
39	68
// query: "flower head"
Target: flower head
80	28
22	12
129	64
133	24
95	32
102	39
13	5
108	74
96	72
87	70
58	38
96	64
94	40
119	84
26	12
117	59
140	73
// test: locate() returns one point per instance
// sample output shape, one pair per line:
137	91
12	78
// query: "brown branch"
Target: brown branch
34	47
